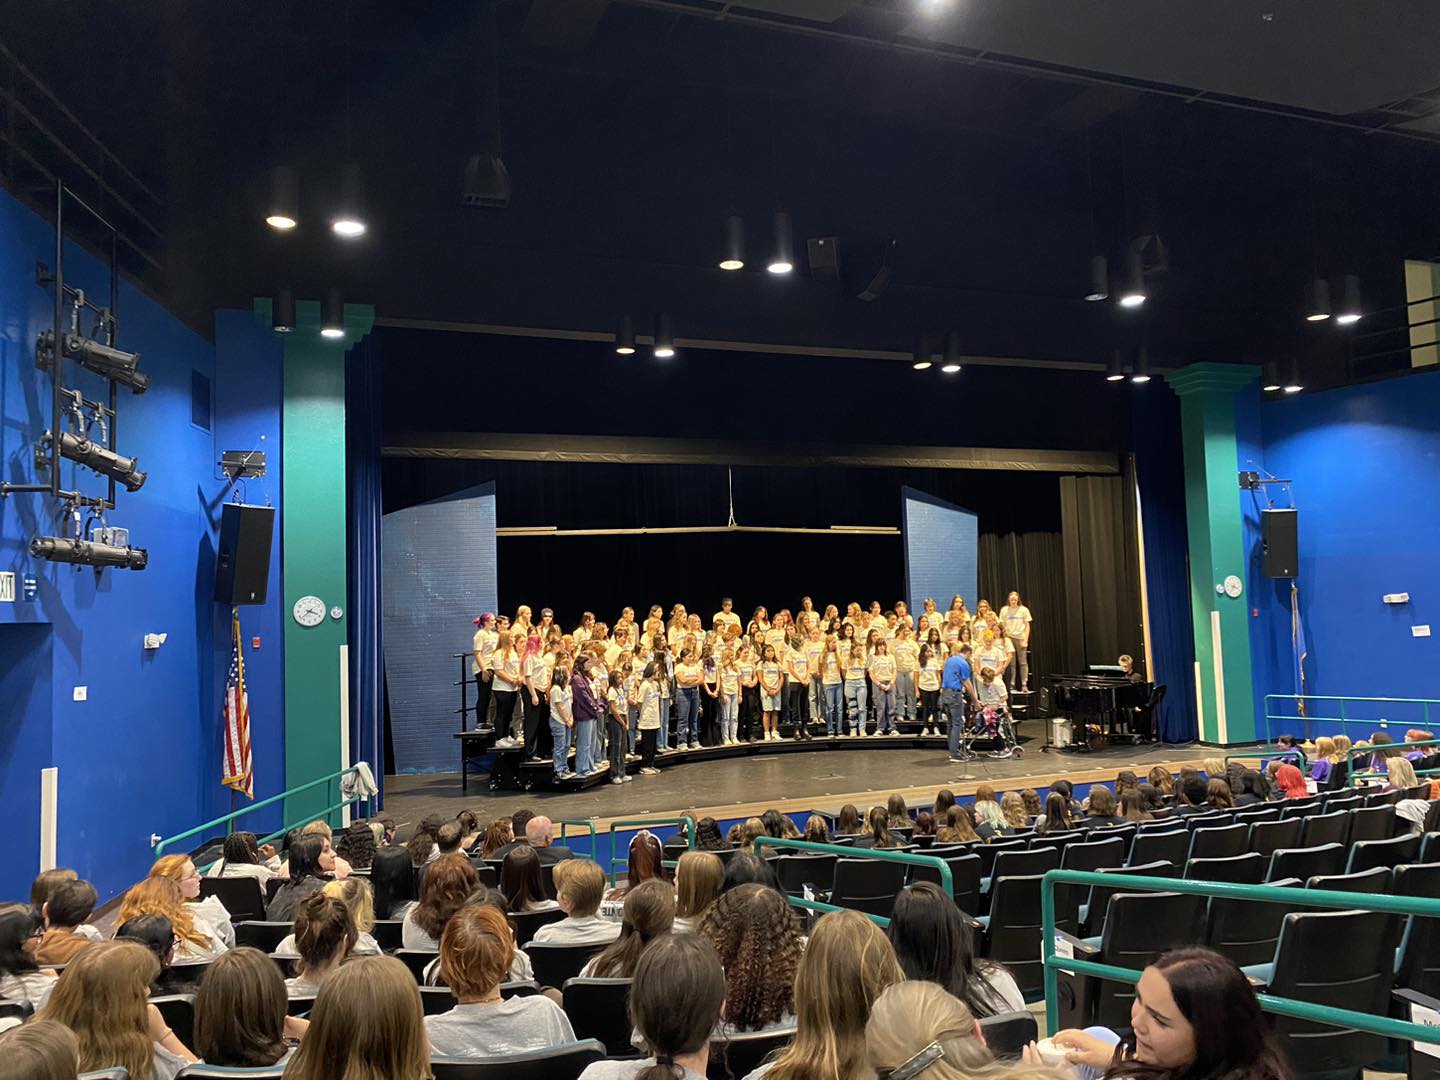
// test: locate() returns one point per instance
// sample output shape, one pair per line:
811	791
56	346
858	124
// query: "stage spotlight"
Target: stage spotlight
1317	300
332	315
349	220
105	462
1115	370
104	360
952	352
625	336
282	212
85	553
920	357
1099	278
782	258
1270	377
487	182
664	337
922	365
1141	374
282	312
733	256
1350	310
1133	292
1293	385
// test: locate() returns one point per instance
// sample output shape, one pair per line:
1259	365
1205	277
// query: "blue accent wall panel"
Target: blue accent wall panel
439	574
942	551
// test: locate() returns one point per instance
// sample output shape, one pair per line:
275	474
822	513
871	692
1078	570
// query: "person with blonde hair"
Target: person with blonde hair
209	912
195	939
698	877
1400	775
817	830
1012	806
104	998
579	889
476	952
847	965
750	829
367	1024
39	1050
988	815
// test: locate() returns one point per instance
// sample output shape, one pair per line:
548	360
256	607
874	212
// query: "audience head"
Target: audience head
848	823
539	831
1030	799
707	834
1218	794
816	830
367	1022
476	952
944	800
393	877
242	848
757	936
1290	781
70	905
1133	806
304	857
924	824
645	858
1400	771
1325	746
155	933
1064	787
40	1050
497	835
1012	809
18	924
877	827
1057	813
161	896
358	897
649	912
179	869
520	878
933	941
1102	801
898	811
324	932
911	1016
46	882
240	1009
469	823
750	830
1213	766
744	868
1161	780
773	823
357	845
1342	747
698	877
579	886
448	837
1153	798
443	890
103	996
1192	790
1254	782
1125	781
675	1000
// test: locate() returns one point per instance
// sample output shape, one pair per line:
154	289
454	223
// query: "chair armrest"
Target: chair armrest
1256	984
975	924
1082	949
1414	997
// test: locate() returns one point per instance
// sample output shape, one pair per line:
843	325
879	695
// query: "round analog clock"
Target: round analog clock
1233	586
309	611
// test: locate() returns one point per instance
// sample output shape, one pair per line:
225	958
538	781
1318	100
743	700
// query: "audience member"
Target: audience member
1292	750
1125	780
39	1050
847	964
1290	782
751	829
209	912
448	837
443	889
156	934
1101	812
897	812
21	979
421	844
1014	814
242	858
497	837
757	936
240	1012
1031	801
357	845
924	824
698	877
1218	795
989	818
959	827
1192	796
392	876
324	935
1399	775
743	868
877	832
649	912
540	834
476	953
68	909
521	882
196	941
47	881
944	800
774	823
329	861
707	835
1253	789
848	822
911	1017
675	1004
1161	780
579	888
642	864
817	831
367	1022
519	822
304	876
1057	814
469	828
104	998
933	941
1133	806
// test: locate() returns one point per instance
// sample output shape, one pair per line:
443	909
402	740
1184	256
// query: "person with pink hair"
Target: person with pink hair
1291	782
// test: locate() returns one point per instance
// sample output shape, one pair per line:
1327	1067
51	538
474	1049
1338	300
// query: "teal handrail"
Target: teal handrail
1302	701
947	879
228	820
645	823
588	823
1299	1010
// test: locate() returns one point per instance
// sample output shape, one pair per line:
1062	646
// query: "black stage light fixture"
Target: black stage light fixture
87	553
1132	293
782	258
921	356
625	336
733	255
104	360
487	182
1317	300
349	219
952	353
332	315
1350	310
282	211
1293	385
105	462
1099	278
664	337
1270	377
1141	374
1115	370
282	312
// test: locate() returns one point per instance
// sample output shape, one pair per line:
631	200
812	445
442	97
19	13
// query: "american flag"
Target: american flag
239	768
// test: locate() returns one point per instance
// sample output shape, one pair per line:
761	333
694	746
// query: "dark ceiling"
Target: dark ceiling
997	143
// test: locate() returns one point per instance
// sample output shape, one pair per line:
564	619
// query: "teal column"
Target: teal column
1217	547
314	552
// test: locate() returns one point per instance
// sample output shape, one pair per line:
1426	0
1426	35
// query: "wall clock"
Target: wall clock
309	611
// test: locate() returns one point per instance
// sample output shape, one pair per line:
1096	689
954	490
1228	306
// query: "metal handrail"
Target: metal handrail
1302	700
1299	1010
227	820
947	879
644	823
588	823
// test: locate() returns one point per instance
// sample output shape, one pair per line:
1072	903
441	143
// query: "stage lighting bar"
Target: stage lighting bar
102	359
105	462
86	553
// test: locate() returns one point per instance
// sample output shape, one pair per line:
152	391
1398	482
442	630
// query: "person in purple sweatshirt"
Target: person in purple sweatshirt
588	710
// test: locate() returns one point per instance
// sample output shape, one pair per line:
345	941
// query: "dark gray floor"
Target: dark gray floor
820	775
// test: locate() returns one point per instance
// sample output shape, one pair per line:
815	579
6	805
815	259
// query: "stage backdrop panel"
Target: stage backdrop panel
439	573
942	546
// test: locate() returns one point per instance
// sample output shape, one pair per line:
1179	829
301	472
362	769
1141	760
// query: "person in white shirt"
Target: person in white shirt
579	888
647	697
726	615
358	897
772	682
929	668
853	656
242	858
506	677
21	979
882	682
907	662
1015	620
324	935
476	952
482	665
797	688
561	721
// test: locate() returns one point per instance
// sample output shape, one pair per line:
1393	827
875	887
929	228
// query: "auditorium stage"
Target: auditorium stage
795	781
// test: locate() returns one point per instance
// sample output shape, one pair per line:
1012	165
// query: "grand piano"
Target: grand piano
1101	700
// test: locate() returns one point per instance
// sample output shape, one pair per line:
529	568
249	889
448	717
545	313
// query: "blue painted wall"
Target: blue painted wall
142	754
942	552
1365	461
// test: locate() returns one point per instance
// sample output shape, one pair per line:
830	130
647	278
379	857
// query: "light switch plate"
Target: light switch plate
1420	631
82	693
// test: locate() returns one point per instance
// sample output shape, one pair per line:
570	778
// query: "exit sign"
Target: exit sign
7	587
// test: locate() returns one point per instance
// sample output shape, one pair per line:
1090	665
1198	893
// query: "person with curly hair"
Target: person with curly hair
756	934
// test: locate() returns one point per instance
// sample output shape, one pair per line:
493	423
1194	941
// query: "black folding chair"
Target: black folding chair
555	963
178	1012
599	1009
1305	863
867	885
527	922
1247	869
742	1053
264	936
1007	1034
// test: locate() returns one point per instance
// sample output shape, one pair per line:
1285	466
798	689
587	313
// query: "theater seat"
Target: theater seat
797	871
124	1074
1007	1034
964	878
527	922
1012	933
1387	853
742	1054
1022	863
178	1011
435	1000
599	1009
209	1072
1247	869
1168	845
1268	837
1305	863
565	1062
1246	930
417	960
240	895
554	963
389	934
1375	882
1325	828
867	885
1371	823
262	935
1091	914
1219	842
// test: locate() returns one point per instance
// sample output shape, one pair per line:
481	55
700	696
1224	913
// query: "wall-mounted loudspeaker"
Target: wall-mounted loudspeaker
1280	543
242	569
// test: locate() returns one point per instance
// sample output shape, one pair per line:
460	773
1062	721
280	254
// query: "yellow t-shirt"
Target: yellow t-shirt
831	673
882	668
907	656
928	677
855	665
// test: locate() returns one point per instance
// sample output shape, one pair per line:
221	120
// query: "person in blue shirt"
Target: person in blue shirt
955	689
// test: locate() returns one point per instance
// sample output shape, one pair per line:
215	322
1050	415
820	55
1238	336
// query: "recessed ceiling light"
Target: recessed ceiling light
922	365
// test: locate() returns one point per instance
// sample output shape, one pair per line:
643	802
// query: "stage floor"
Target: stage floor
735	787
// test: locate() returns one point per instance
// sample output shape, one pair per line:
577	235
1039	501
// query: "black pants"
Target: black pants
749	711
618	734
647	748
798	695
709	719
930	714
482	700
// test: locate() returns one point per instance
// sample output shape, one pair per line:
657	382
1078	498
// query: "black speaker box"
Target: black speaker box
242	569
1280	543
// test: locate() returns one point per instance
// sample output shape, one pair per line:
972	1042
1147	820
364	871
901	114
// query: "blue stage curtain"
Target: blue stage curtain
1159	465
367	673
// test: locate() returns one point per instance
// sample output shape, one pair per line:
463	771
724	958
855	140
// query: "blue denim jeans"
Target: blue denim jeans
855	705
729	716
817	700
905	695
634	726
953	702
884	709
561	736
584	746
834	706
687	722
662	737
